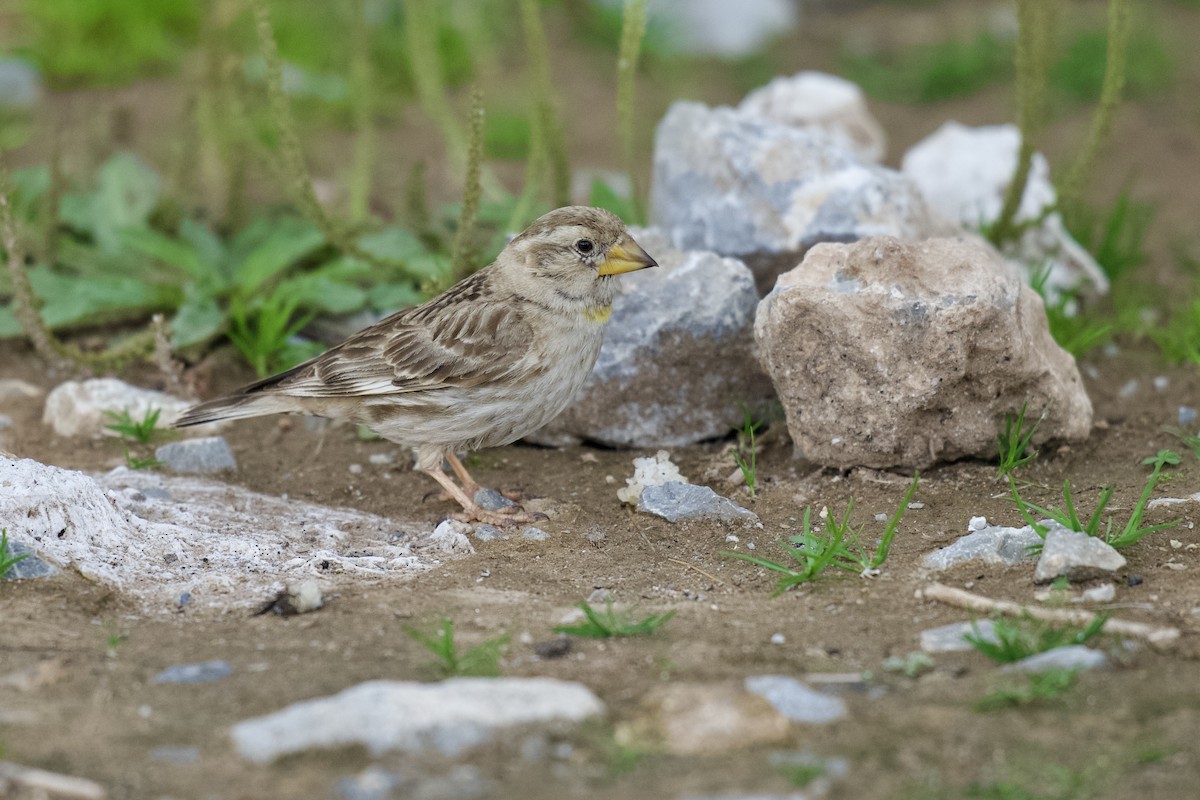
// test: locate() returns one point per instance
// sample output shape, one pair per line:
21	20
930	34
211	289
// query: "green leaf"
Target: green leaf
393	244
603	196
322	293
287	243
393	296
70	300
127	193
197	320
172	252
9	327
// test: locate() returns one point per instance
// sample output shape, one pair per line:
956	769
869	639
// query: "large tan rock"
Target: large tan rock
890	354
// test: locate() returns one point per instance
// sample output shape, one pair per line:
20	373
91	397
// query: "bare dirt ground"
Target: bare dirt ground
1124	732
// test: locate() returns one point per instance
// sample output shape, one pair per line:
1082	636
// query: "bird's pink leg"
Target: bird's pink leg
470	485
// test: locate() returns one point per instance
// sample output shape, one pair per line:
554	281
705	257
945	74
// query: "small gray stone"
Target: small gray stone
951	638
1075	556
32	566
202	456
373	783
1187	415
488	533
535	534
1073	656
20	84
176	754
449	716
492	500
203	672
684	502
991	545
5	421
1099	594
796	701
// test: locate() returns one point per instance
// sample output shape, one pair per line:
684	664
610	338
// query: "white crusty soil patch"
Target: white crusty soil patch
156	537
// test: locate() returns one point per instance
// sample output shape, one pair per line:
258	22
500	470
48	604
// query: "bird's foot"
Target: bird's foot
507	517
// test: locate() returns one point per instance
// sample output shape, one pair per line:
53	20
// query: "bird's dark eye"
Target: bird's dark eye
585	246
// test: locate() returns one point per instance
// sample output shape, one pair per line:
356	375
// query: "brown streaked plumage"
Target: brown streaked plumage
491	359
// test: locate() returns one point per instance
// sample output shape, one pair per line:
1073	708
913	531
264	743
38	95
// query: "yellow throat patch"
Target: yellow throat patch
599	314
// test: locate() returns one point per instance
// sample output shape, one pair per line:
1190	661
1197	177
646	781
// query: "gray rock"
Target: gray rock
535	534
831	106
1073	656
488	533
991	545
153	536
202	456
719	28
31	566
685	502
867	347
1075	556
176	754
373	783
738	184
492	500
677	362
964	174
77	408
1186	415
20	84
950	638
796	701
450	716
203	672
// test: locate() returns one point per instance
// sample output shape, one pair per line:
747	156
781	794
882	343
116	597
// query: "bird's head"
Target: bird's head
573	252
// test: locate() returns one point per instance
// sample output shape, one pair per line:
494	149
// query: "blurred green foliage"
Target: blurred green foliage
89	42
1079	72
931	73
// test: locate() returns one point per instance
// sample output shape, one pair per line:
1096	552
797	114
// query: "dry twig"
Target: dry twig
1162	638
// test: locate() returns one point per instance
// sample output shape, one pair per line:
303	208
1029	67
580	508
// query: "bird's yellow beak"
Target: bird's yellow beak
626	256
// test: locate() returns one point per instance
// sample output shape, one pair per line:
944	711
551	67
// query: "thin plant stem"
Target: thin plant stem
1110	98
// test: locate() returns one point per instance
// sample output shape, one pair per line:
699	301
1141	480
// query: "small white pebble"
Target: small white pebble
1161	382
380	459
145	712
1129	389
881	517
1099	594
977	523
836	440
356	469
1174	566
1176	544
609	479
589	458
729	537
915	506
749	545
824	514
777	638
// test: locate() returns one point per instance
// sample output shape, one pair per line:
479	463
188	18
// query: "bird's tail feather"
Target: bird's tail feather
235	407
